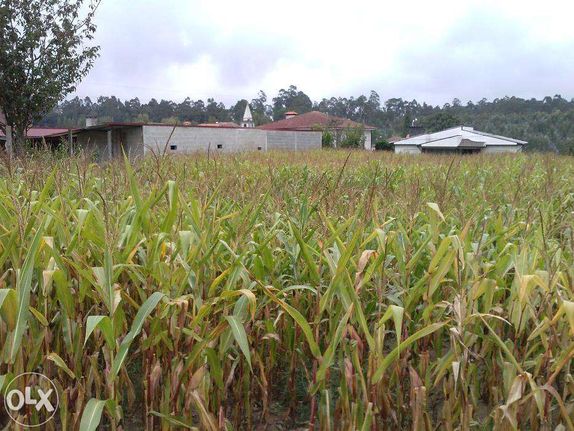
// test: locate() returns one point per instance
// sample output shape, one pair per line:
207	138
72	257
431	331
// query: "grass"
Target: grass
321	290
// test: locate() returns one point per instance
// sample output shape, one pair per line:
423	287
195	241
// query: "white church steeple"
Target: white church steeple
247	117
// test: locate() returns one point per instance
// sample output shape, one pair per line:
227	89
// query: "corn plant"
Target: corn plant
321	290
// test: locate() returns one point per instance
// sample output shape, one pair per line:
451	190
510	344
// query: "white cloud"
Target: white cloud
431	51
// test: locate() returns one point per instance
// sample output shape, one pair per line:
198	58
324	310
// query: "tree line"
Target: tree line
547	124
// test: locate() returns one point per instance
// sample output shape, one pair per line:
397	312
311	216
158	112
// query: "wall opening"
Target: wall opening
219	146
173	147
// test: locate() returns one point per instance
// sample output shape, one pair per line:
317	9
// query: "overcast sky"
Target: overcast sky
431	51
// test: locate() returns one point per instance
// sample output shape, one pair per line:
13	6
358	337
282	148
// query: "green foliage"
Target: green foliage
259	109
236	112
44	52
381	290
327	139
383	145
440	121
407	121
170	120
352	137
290	100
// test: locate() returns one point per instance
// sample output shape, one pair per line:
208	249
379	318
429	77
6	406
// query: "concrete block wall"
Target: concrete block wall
133	142
368	139
293	140
93	141
502	149
407	149
194	139
309	140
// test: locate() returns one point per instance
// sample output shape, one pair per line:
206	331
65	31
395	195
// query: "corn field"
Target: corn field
320	291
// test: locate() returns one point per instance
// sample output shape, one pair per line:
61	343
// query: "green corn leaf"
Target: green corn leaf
104	324
39	316
92	415
301	321
173	204
9	307
248	294
327	358
109	282
389	359
23	286
313	270
240	336
144	311
396	313
569	311
359	314
57	359
179	422
503	346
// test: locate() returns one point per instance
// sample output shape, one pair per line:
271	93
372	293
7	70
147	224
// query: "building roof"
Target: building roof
40	132
460	136
103	127
312	120
394	139
220	124
454	142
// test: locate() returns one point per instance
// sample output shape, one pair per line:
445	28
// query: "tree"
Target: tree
237	111
260	109
290	100
44	53
440	121
407	123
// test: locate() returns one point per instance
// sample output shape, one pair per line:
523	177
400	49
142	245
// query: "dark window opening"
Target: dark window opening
219	146
173	147
259	148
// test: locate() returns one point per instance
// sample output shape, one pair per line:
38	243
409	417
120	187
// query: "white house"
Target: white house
461	140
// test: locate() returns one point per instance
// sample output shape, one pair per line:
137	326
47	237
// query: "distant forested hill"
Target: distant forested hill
547	124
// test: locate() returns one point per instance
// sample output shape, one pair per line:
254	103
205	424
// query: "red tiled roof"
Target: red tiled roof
312	120
41	132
